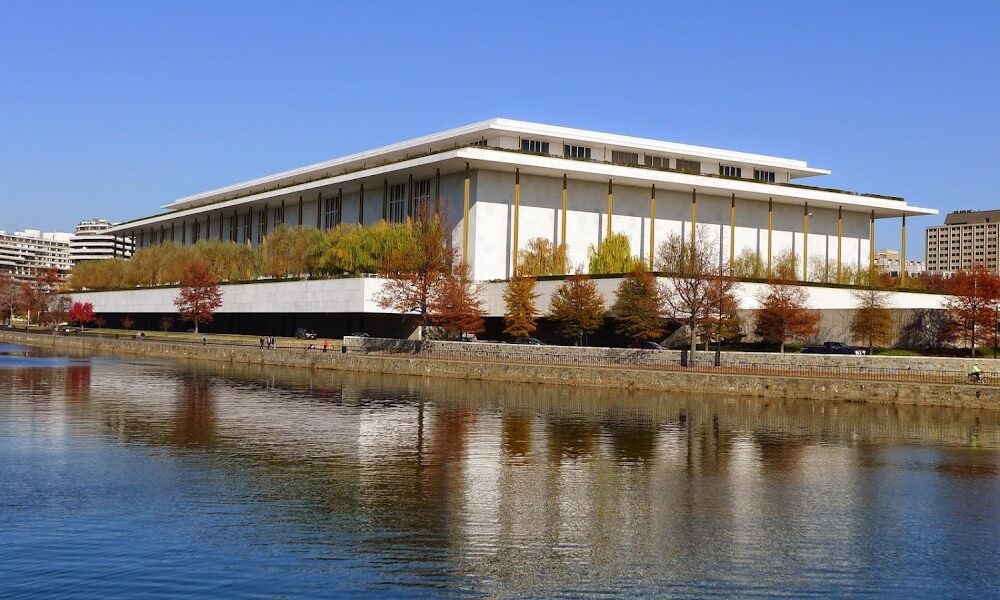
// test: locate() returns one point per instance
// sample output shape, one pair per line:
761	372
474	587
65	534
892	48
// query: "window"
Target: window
730	171
624	158
422	198
279	216
765	176
657	162
397	203
195	232
480	143
247	231
331	211
689	166
535	146
262	225
234	228
576	151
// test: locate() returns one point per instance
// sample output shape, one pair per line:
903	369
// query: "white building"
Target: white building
888	262
27	253
500	183
91	241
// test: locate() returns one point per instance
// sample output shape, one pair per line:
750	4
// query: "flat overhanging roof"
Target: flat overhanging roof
462	136
452	161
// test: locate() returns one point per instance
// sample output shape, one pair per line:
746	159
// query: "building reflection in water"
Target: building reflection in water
571	485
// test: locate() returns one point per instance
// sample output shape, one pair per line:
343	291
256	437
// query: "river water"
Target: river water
141	478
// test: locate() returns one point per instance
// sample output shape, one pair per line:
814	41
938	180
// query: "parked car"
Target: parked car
304	334
529	341
646	345
832	348
466	337
359	334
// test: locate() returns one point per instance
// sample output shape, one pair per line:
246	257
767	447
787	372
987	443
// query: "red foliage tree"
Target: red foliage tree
783	314
200	295
972	305
81	313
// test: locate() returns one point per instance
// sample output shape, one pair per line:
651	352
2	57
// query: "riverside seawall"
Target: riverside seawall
624	378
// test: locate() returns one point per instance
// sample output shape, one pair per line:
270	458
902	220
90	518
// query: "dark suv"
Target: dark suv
304	334
529	341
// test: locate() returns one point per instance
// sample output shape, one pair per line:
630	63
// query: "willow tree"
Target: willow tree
542	257
612	255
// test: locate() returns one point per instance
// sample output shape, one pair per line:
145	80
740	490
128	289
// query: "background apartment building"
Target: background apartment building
26	253
967	239
889	262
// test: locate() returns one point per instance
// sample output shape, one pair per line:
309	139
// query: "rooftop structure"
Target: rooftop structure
499	183
91	241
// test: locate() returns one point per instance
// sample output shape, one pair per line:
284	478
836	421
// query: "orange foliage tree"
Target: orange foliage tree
783	314
972	304
639	306
521	316
457	304
577	308
199	297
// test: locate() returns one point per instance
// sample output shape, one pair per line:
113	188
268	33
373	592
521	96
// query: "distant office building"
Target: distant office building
93	242
888	263
967	239
26	253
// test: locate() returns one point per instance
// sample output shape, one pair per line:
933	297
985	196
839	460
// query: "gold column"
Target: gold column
361	206
437	193
871	244
694	218
517	220
805	243
840	241
902	255
565	204
465	218
385	199
770	230
652	227
409	198
611	202
732	233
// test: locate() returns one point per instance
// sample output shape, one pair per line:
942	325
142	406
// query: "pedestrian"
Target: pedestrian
274	343
204	340
326	344
261	342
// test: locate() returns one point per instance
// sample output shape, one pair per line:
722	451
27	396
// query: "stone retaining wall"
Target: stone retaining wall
965	396
564	354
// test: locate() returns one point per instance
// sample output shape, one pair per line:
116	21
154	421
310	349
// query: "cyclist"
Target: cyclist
976	374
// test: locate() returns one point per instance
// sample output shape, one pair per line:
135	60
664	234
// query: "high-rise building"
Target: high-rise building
91	241
26	253
967	239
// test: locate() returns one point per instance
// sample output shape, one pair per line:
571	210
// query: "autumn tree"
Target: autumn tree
46	289
972	304
199	296
542	257
612	255
520	315
58	309
81	313
639	306
10	295
722	319
457	304
783	315
698	279
577	308
127	322
28	300
415	271
872	318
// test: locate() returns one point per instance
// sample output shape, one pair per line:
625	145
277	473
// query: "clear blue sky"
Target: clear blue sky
110	109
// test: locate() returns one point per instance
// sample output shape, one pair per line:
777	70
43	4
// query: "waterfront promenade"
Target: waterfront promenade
913	382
